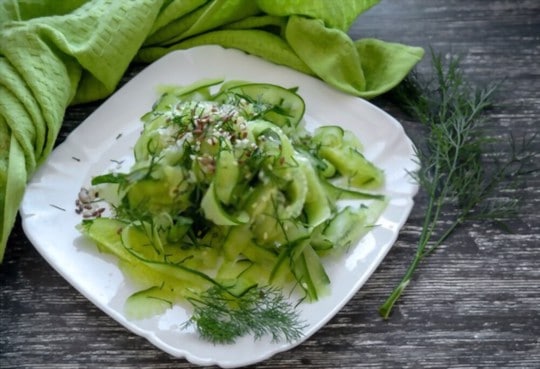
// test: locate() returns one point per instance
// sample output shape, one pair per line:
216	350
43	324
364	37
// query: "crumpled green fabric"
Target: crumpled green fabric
57	53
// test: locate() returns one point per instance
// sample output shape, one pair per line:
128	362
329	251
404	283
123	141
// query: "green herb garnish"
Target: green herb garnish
454	171
221	317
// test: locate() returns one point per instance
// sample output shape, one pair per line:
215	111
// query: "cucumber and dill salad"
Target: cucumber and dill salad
232	205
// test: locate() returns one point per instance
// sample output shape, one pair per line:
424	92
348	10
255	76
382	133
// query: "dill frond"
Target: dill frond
453	171
221	317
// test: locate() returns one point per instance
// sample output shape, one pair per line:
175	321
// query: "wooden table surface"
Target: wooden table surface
475	303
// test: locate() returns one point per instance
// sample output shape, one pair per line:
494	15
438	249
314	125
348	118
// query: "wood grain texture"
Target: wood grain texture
475	303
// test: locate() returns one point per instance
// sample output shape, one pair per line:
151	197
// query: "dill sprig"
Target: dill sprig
221	317
454	172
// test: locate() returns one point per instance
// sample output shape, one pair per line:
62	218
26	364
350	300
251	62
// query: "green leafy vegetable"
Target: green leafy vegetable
454	173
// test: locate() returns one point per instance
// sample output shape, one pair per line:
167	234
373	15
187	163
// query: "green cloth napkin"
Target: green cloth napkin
57	53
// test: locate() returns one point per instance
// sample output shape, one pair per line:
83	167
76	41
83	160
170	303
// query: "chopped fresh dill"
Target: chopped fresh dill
453	171
221	317
57	207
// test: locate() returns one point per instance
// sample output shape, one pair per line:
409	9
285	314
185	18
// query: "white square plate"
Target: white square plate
107	136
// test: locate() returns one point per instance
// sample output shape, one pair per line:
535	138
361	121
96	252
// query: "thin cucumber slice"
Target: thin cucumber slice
295	193
196	91
310	274
346	227
237	240
226	176
106	233
268	130
352	164
331	136
285	107
316	205
288	255
343	150
215	212
336	192
150	194
147	303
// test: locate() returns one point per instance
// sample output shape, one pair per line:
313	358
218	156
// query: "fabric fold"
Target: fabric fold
334	14
334	58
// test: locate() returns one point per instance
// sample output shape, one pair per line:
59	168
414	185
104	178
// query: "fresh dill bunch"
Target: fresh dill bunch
221	317
453	171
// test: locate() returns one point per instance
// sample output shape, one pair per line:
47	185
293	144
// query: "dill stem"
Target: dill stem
443	237
434	208
387	306
427	230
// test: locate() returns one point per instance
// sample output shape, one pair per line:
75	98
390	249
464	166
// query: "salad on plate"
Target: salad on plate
231	206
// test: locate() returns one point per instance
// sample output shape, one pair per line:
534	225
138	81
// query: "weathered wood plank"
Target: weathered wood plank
474	304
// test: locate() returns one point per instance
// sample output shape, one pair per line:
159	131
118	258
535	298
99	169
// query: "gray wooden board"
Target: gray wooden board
474	303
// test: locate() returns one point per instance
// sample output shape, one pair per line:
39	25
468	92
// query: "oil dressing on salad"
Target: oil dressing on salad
231	208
